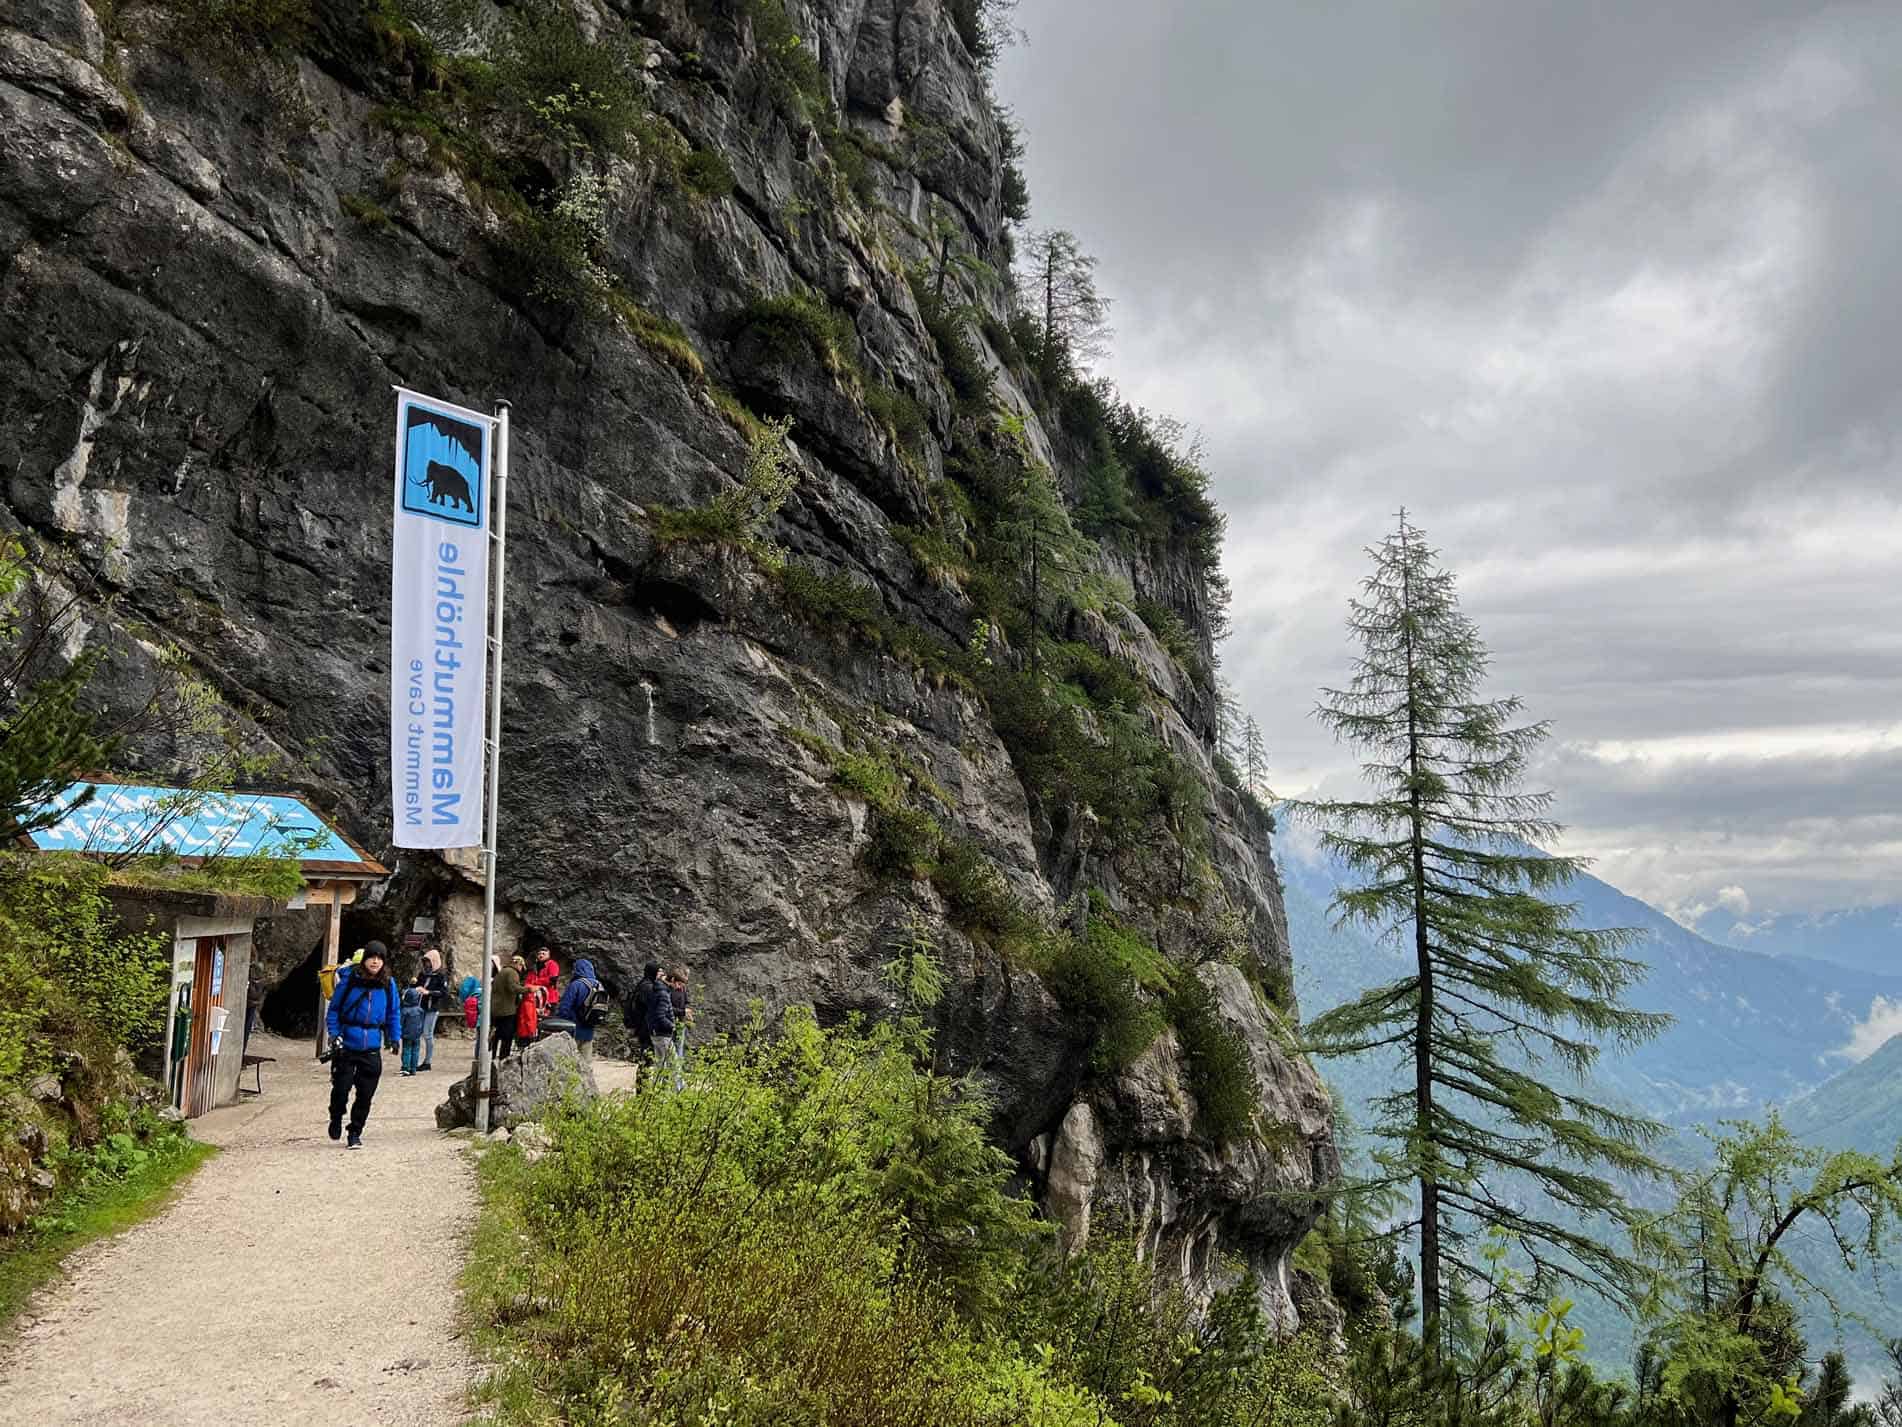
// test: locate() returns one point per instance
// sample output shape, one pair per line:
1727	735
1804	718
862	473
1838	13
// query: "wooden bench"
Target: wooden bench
254	1063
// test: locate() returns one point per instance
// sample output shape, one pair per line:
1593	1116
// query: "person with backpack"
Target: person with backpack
654	1008
412	1026
435	995
585	1002
365	1014
634	1012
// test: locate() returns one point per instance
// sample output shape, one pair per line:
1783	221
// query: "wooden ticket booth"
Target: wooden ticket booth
165	845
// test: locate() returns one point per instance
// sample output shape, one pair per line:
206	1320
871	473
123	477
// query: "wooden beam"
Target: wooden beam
334	898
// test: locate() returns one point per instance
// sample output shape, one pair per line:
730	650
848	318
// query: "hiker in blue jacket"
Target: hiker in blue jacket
585	1002
365	1015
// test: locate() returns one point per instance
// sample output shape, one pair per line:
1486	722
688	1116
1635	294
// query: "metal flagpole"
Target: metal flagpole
498	541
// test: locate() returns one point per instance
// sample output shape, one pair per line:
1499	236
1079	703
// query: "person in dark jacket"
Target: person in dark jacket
655	1007
435	997
412	1026
365	1015
581	986
683	1008
505	1003
634	1012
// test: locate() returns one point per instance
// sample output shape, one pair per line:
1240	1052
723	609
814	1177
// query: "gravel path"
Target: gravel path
293	1282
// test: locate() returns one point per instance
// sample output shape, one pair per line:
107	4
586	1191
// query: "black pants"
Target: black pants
502	1038
361	1068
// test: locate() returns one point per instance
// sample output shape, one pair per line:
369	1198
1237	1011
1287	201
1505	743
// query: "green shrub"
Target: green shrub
228	29
830	601
964	366
1111	1329
901	415
662	336
796	325
1105	995
904	842
1002	340
852	154
369	214
816	1230
78	980
125	1178
577	90
1225	770
1109	682
1173	635
1015	190
1220	1075
557	251
825	1215
983	25
941	561
1131	954
707	173
793	74
740	514
977	898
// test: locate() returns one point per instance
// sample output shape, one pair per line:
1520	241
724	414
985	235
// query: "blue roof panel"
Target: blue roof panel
134	817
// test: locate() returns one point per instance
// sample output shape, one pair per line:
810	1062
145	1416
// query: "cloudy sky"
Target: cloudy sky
1610	297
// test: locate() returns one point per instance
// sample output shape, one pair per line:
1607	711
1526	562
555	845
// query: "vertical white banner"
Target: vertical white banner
439	612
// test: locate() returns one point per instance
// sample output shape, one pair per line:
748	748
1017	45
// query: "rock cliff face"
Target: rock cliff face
228	227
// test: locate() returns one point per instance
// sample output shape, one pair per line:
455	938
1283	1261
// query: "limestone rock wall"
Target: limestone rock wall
212	272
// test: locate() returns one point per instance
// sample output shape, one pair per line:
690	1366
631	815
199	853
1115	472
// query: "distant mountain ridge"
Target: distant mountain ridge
1861	1109
1751	1030
1864	938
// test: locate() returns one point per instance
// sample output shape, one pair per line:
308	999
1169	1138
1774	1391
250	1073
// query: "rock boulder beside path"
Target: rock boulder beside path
526	1086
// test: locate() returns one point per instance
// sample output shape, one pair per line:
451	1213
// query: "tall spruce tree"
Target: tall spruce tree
1056	286
1505	989
1255	760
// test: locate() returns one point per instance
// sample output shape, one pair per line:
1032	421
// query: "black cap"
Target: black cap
652	970
376	949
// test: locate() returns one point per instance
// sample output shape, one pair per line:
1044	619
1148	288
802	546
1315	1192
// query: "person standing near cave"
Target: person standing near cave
253	1005
435	993
544	971
683	1009
584	1003
505	1003
365	1014
653	1007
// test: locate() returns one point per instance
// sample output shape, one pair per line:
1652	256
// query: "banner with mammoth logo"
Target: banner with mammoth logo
439	613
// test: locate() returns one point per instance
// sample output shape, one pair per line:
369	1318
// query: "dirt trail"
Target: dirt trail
293	1282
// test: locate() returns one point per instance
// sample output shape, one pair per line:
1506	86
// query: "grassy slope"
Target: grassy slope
32	1259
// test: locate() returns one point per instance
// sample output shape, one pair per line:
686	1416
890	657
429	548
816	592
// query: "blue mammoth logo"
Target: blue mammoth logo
448	486
443	468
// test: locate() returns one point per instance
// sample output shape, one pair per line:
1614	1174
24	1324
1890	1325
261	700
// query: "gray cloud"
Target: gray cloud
1605	295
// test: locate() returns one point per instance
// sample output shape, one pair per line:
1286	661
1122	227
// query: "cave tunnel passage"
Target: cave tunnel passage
290	1007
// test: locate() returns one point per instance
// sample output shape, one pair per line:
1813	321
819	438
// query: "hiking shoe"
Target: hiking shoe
336	1129
424	1066
356	1142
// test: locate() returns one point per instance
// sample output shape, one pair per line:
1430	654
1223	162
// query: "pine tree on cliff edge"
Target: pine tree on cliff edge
1508	1000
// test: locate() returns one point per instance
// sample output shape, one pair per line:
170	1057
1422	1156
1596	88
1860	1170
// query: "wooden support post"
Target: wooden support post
333	942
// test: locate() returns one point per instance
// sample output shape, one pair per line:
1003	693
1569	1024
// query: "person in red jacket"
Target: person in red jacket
545	972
